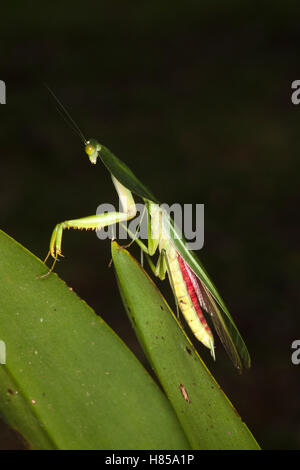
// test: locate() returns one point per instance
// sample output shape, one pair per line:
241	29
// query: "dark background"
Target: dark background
196	98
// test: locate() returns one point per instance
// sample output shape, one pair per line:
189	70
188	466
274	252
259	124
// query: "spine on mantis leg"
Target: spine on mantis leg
185	286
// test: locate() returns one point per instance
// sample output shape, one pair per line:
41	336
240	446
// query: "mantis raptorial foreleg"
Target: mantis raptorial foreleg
135	235
93	222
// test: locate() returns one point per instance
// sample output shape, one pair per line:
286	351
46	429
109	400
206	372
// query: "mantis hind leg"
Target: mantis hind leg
160	270
171	282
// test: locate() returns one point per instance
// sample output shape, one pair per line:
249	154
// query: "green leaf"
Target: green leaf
69	382
206	415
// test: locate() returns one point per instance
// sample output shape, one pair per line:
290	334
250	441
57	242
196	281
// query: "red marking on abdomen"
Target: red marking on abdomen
192	292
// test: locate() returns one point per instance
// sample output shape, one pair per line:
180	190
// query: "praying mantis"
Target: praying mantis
193	289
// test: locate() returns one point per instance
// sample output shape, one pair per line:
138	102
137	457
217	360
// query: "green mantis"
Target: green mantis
192	287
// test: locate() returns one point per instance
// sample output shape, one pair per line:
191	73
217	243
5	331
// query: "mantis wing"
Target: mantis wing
211	301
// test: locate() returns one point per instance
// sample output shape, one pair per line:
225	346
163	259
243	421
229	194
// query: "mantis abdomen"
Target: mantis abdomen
183	285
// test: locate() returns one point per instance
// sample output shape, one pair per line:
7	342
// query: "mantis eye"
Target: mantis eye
89	149
92	148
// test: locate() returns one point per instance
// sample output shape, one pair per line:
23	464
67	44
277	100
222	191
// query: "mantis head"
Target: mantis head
92	149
